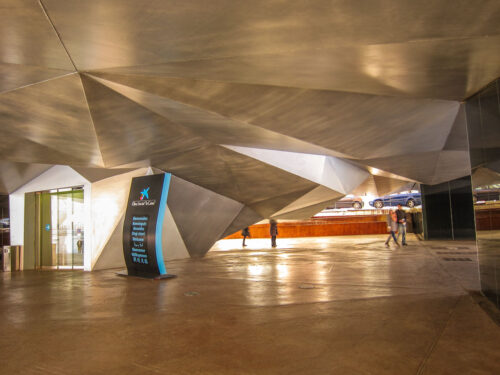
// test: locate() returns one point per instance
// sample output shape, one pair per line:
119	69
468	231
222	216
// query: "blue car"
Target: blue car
405	199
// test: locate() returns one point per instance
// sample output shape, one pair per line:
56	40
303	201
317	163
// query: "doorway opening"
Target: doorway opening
59	226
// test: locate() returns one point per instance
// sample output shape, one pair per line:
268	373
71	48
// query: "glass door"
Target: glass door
61	227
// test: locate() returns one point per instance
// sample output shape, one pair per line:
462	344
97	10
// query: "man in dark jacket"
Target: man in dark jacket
401	215
273	231
245	233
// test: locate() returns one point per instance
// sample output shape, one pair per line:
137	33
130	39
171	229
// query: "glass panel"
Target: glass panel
78	220
61	228
55	226
484	137
48	248
65	230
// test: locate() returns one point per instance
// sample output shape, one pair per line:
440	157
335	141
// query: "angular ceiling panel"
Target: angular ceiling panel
54	115
355	125
201	215
97	174
484	177
15	76
450	69
312	198
334	173
457	139
245	218
265	104
213	127
273	204
451	165
128	132
233	175
304	213
28	38
15	175
122	33
379	186
418	167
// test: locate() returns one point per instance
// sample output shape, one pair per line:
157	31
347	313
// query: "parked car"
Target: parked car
348	201
406	198
486	195
5	223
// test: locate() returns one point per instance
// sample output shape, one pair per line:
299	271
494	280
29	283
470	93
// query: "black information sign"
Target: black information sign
142	229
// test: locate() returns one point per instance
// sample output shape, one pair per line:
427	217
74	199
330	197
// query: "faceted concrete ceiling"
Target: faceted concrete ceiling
226	94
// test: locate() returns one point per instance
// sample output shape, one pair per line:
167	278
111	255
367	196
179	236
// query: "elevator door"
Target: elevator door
61	218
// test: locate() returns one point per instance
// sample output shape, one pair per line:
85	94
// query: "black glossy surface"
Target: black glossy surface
447	210
436	211
483	117
462	210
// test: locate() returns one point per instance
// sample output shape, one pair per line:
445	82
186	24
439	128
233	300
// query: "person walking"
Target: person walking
245	233
401	215
273	231
392	227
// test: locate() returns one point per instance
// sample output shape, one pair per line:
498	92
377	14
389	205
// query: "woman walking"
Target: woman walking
392	227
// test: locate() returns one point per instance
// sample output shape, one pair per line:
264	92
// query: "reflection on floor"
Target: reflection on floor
330	305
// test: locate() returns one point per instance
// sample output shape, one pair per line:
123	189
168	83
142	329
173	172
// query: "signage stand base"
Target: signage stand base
157	277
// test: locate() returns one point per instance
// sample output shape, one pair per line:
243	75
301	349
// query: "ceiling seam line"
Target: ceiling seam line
35	66
37	83
109	71
57	33
92	120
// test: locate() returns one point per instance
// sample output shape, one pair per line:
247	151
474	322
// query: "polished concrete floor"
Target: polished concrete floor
333	305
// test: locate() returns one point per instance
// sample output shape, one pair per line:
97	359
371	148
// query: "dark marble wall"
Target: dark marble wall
483	123
447	210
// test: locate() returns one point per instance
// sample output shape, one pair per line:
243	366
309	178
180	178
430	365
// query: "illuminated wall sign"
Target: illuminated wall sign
142	229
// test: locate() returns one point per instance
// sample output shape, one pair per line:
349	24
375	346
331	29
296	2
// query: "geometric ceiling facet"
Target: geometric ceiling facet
245	218
128	132
214	127
484	177
14	175
349	176
274	203
451	165
235	176
14	76
350	124
379	186
201	216
97	174
417	167
329	171
52	115
329	46
406	69
315	197
267	104
306	212
28	38
307	166
457	139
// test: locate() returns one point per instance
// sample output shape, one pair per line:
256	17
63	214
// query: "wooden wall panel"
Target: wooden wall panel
487	219
334	226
